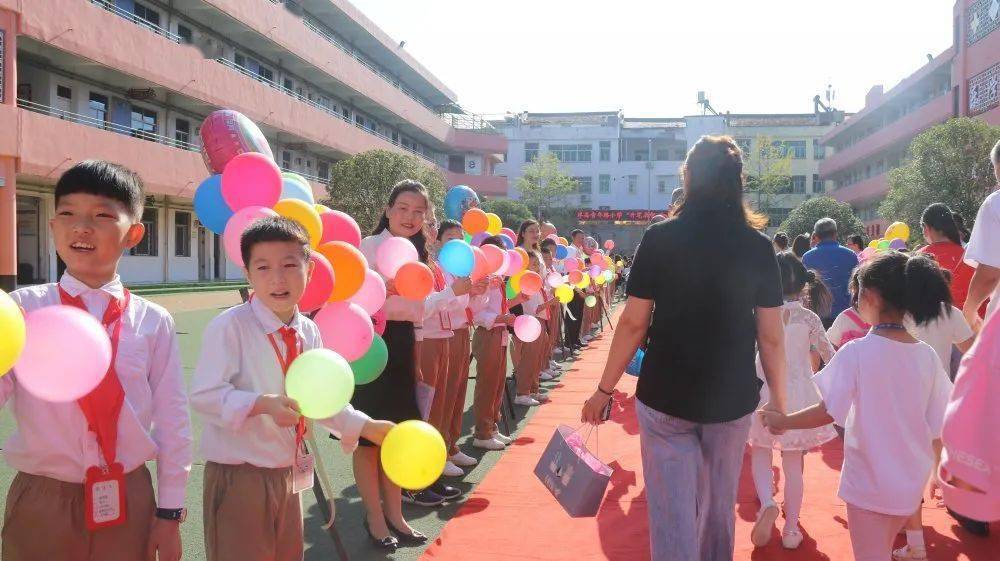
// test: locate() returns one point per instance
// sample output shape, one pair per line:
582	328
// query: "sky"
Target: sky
651	57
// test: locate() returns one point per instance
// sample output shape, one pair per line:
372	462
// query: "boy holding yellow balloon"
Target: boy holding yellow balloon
82	490
253	436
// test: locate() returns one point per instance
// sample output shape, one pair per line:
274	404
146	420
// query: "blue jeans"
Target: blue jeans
692	473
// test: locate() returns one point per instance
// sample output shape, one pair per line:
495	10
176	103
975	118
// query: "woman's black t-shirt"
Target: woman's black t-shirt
705	281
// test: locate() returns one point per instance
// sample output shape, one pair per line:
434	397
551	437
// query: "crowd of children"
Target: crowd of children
83	492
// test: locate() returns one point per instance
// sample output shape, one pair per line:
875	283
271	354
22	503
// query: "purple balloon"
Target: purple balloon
897	244
478	238
507	242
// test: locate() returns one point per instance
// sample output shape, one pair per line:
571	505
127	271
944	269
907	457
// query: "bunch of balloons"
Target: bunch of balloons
896	236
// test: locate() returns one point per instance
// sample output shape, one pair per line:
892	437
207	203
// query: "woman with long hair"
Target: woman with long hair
944	242
705	292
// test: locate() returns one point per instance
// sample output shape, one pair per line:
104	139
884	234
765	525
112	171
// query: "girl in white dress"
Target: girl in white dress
803	333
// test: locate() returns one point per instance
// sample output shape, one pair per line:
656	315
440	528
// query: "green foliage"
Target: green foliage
360	185
511	212
802	219
769	173
948	163
544	185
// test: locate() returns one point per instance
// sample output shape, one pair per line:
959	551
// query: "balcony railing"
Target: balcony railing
111	7
465	121
91	121
313	103
315	178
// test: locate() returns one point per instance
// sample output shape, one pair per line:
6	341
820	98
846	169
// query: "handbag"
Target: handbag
575	476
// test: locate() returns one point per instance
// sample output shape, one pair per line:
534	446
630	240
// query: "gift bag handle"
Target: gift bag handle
594	430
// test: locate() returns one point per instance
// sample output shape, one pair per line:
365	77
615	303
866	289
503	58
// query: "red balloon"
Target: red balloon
531	283
340	227
226	134
320	285
414	281
482	267
494	258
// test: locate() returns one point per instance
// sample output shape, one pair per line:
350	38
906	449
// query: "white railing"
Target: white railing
315	178
466	121
313	103
111	7
91	121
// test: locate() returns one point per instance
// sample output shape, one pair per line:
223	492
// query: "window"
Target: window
604	184
798	184
641	155
147	14
778	215
184	32
98	106
286	159
182	234
818	186
143	122
585	199
661	183
819	151
240	60
182	131
605	150
571	152
797	148
530	151
148	246
662	154
323	169
64	92
289	84
584	184
633	181
359	121
346	112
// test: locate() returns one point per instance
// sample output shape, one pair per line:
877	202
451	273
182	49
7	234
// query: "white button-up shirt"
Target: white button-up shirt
52	439
487	309
237	365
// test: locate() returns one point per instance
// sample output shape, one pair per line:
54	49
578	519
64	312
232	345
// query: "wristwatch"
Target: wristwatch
174	514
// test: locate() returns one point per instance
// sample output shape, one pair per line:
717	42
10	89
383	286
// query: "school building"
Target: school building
962	81
130	81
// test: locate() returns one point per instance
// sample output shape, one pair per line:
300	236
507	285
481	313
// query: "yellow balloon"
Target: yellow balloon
515	282
873	244
303	213
11	332
493	225
599	280
564	293
898	230
584	281
320	209
413	455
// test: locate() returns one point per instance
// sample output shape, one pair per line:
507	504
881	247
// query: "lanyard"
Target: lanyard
284	362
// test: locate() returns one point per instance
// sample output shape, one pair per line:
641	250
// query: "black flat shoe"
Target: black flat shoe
416	538
389	543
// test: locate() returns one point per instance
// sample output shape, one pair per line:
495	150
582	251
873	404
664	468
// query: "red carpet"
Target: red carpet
511	515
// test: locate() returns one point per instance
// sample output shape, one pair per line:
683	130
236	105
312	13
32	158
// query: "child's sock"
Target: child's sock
791	465
915	538
763	477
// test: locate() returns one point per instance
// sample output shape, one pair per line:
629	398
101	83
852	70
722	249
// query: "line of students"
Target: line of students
82	491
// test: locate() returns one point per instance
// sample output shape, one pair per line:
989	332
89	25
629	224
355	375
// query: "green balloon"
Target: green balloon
322	383
468	238
590	301
883	244
370	366
511	293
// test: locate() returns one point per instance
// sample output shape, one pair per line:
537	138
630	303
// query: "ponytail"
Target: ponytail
940	218
962	229
911	284
820	301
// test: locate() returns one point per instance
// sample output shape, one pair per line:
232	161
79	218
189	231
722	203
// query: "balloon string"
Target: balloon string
324	477
568	313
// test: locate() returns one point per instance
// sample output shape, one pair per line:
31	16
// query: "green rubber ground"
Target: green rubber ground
319	546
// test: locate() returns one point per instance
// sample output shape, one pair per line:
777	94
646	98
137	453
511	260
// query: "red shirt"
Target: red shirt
951	256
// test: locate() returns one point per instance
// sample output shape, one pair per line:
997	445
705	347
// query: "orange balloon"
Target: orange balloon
575	277
475	221
531	283
481	267
414	281
524	257
563	241
494	257
349	266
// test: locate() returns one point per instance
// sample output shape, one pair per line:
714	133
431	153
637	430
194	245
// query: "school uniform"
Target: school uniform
252	511
138	414
459	359
489	346
435	333
532	355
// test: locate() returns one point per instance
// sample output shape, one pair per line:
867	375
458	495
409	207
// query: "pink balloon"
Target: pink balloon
393	254
225	134
346	329
514	263
595	270
554	279
552	237
251	179
371	295
339	226
527	328
379	320
510	233
609	245
320	285
571	265
66	354
235	227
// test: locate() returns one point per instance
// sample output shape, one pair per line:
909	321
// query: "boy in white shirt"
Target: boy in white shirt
137	413
253	432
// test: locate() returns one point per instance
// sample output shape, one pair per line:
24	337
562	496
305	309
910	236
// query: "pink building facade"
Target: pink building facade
130	81
964	80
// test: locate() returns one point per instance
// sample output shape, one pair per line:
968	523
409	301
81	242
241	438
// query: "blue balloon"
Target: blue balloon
295	189
458	200
507	242
457	258
209	205
561	252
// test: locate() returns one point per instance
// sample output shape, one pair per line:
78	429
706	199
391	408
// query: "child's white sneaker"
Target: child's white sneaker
525	401
545	376
502	438
910	553
791	538
462	459
540	397
488	444
451	470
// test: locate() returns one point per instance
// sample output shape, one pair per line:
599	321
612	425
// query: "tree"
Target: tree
511	212
360	185
543	184
948	163
768	166
802	219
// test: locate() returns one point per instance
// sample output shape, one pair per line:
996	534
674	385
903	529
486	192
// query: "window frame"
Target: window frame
604	150
182	234
151	237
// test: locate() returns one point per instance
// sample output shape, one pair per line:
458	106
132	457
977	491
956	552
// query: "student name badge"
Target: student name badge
104	497
303	473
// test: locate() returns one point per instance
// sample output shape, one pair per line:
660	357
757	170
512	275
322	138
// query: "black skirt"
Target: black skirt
393	395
